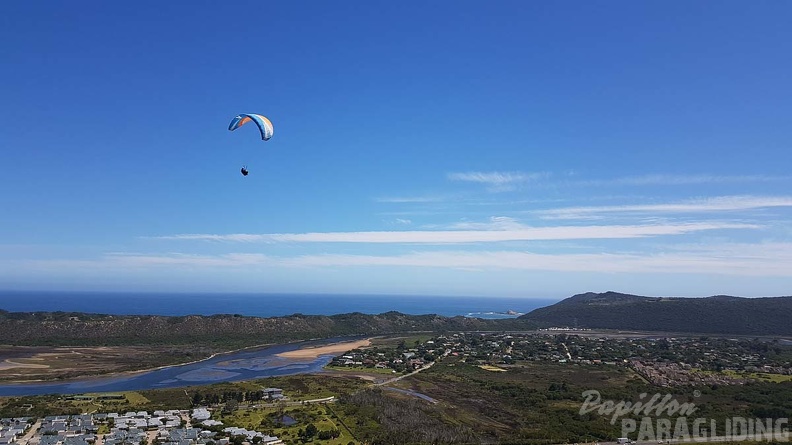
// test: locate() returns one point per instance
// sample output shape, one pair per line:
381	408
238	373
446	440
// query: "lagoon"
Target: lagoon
229	367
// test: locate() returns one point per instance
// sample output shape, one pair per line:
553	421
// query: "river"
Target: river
230	367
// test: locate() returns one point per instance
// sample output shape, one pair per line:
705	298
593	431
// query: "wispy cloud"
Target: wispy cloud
668	179
498	181
497	178
754	260
716	204
508	231
494	223
398	222
761	259
411	199
180	259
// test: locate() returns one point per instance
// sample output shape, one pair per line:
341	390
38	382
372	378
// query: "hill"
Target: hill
72	328
719	314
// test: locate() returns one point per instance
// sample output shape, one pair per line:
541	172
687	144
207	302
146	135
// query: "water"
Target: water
287	420
262	305
236	366
241	365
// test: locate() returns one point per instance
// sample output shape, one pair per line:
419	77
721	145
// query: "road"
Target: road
330	399
29	435
397	378
409	391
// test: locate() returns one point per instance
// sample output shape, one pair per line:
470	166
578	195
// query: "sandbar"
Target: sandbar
335	348
8	364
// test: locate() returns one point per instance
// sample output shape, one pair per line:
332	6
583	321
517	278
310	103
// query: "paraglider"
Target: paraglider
264	125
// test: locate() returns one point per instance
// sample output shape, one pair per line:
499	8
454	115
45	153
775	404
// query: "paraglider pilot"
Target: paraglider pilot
244	171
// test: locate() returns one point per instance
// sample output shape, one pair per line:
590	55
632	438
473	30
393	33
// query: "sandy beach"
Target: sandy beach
336	348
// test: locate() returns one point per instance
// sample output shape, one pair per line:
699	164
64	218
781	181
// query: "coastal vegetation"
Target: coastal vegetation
711	315
221	332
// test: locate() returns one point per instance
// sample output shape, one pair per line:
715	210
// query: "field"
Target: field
491	368
759	376
537	401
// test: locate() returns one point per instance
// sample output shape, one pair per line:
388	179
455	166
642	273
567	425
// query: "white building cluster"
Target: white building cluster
130	428
11	429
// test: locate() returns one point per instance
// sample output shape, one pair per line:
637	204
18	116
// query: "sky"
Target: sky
510	148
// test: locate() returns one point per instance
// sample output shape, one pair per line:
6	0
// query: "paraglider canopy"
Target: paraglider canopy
264	124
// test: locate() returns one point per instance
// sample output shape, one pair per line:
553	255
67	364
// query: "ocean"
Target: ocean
263	305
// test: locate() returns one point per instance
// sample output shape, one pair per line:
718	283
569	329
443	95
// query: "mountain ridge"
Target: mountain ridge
717	314
74	328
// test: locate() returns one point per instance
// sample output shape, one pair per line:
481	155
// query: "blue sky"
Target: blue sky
450	147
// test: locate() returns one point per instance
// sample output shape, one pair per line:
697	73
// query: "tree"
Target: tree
311	430
281	405
230	406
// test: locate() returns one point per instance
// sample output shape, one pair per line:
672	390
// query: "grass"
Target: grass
313	387
263	419
136	398
491	368
761	376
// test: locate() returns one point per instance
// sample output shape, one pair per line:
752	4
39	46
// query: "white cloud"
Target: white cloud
717	204
502	230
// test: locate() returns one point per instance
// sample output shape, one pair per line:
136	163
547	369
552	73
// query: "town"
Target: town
664	361
172	427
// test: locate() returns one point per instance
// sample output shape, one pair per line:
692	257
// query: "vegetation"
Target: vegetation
718	314
220	331
529	402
